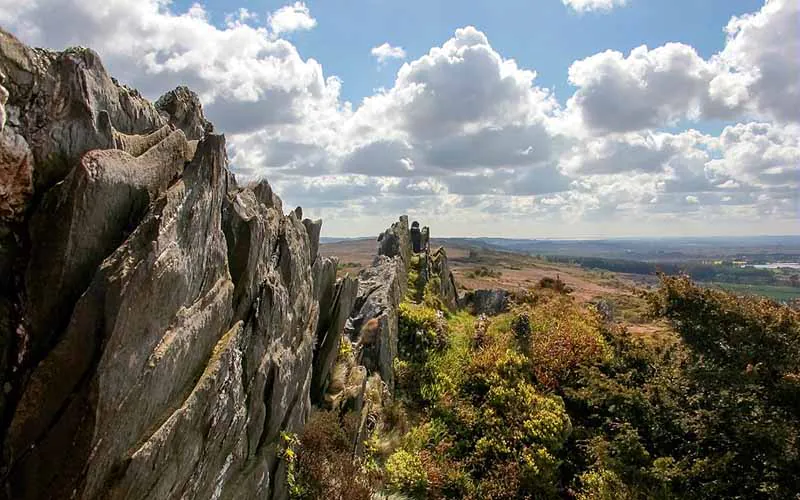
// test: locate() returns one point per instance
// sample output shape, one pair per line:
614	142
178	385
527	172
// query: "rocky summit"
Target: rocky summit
161	325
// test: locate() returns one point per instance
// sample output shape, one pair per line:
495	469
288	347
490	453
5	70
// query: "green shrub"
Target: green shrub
405	473
421	328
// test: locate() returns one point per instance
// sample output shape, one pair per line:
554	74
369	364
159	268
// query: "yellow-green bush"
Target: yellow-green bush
405	473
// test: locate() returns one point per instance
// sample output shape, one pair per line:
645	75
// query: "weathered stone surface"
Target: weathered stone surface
117	409
172	313
313	228
396	241
489	302
160	325
3	101
135	343
440	268
265	195
425	239
83	219
134	145
16	176
182	109
416	237
381	288
335	309
54	102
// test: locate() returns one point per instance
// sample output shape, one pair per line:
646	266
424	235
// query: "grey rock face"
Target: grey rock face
160	325
313	228
440	268
336	303
488	302
16	176
416	237
381	288
396	241
54	102
182	109
84	218
169	331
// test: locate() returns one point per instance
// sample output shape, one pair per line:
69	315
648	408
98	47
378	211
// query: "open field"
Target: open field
782	293
478	268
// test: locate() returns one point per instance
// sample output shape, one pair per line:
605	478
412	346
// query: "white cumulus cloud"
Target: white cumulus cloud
291	18
384	52
593	5
464	137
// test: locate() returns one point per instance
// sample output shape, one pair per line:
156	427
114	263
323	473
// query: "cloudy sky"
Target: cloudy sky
519	118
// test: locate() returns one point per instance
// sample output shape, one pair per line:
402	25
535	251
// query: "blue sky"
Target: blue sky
645	117
541	35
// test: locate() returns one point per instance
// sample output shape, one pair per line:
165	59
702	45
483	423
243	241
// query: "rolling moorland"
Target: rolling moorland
761	266
167	331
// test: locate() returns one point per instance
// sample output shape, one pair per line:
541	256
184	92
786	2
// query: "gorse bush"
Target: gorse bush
555	400
488	432
550	400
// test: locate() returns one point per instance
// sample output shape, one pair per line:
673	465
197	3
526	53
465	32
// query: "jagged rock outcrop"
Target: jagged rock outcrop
181	108
488	302
373	324
314	229
54	102
336	301
3	101
396	241
158	322
445	282
96	206
161	325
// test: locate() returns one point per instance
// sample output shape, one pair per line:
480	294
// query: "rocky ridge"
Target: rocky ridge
160	324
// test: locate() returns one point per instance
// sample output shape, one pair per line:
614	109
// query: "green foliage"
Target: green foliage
430	296
743	372
405	472
561	337
421	329
287	453
602	484
713	414
416	283
549	400
489	431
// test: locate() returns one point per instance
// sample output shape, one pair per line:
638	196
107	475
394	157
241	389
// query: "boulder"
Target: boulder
488	302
